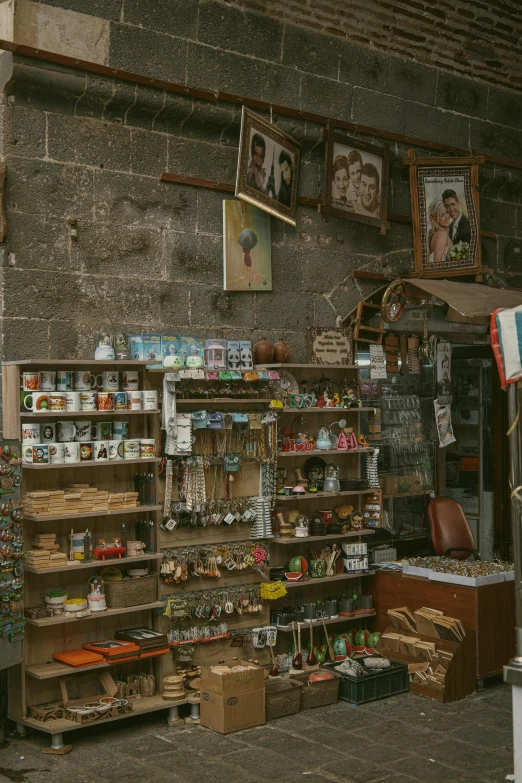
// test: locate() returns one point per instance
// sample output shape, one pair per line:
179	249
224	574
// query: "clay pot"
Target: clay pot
264	351
282	351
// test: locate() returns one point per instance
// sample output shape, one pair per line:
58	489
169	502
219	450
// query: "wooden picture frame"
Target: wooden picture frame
329	346
445	203
268	167
357	178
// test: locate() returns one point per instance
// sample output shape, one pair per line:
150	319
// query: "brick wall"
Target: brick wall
152	252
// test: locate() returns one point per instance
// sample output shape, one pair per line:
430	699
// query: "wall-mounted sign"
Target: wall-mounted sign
330	346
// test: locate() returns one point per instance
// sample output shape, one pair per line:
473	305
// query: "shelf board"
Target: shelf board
46	671
409	494
314	495
44	621
93	564
222	401
462	454
318	621
319	452
332	537
80	362
324	579
51	517
307	366
78	414
325	409
140	707
89	464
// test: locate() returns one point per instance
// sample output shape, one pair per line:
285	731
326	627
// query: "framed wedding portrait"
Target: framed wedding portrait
445	216
268	167
357	179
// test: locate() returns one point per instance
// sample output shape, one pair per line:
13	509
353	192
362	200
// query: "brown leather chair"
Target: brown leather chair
450	532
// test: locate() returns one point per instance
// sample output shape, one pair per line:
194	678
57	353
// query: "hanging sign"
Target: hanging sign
330	346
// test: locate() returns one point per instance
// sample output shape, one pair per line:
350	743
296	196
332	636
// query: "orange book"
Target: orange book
78	658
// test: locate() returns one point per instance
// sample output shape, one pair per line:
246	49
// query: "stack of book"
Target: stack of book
44	503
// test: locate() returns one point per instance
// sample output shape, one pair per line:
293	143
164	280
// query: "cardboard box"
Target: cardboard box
152	347
235	700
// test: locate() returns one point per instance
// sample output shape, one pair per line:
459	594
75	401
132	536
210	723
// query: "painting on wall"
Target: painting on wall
268	167
357	174
445	215
247	250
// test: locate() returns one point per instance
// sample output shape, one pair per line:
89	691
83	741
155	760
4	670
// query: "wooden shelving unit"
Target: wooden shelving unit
320	495
330	621
118	512
326	580
81	414
332	538
92	564
320	452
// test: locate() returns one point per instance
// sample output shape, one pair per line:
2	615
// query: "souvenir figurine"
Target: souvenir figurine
331	481
104	348
323	441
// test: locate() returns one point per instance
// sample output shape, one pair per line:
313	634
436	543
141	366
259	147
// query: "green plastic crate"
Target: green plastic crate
377	684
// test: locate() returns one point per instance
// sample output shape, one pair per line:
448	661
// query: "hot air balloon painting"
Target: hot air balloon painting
247	251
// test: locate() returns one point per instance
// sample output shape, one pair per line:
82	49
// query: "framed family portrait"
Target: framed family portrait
357	177
445	215
268	167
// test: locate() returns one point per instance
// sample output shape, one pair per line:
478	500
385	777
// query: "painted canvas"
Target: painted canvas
247	250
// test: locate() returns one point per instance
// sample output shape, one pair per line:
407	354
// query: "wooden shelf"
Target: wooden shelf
318	452
92	564
90	464
51	517
314	495
330	621
46	671
222	401
79	363
45	621
78	414
409	494
306	366
324	409
322	580
332	537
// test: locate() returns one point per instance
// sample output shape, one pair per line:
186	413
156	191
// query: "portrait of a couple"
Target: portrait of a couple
449	229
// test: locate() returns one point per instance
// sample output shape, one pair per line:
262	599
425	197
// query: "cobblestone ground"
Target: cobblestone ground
404	739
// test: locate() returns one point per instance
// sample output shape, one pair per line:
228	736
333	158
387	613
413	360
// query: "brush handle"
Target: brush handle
293	632
330	649
299	637
311	635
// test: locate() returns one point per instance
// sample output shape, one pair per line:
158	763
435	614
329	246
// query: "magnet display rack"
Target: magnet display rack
37	679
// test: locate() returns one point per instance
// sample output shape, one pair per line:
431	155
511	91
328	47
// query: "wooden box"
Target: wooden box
106	687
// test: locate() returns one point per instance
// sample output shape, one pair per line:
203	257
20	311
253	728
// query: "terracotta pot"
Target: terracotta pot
282	351
264	351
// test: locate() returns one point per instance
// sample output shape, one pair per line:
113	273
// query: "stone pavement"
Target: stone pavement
404	739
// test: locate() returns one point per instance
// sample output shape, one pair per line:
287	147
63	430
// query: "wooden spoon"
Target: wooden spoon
312	660
330	648
297	661
274	671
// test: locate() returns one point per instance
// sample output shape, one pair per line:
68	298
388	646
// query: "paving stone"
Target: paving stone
469	757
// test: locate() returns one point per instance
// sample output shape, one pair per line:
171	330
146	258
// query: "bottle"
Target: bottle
152	490
87	546
124	538
151	544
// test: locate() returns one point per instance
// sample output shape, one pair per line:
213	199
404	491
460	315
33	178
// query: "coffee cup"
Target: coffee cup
131	449
130	381
38	402
27	454
112	449
150	399
120	401
71	451
88	400
83	380
134	401
120	430
47	380
102	430
100	450
85	451
31	381
72	401
65	431
30	434
105	401
48	433
64	381
41	454
85	431
57	402
56	453
109	380
147	448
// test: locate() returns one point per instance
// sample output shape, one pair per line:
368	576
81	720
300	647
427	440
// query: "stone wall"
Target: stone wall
150	253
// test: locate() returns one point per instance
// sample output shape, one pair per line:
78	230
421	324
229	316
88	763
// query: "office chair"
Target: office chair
450	533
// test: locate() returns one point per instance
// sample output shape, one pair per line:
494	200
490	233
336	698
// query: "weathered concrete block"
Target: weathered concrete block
88	141
124	96
212	305
310	51
463	96
210	211
287	267
496	216
148	153
510	254
212	69
194	258
46	87
505	107
24	132
99	92
378	110
281	309
148	104
25	337
124	251
37	187
209	122
282	85
38	242
398	237
148	52
48	296
489	252
175	111
324	312
495	139
509	186
240	31
197	159
326	96
435	124
172	17
106	9
400	198
311	180
324	269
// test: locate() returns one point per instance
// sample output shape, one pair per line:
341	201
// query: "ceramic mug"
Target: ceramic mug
86	451
109	380
120	430
83	380
65	431
100	450
88	401
39	402
64	381
41	454
102	430
131	380
31	433
131	449
112	448
105	401
72	401
48	433
134	401
27	454
71	451
57	401
48	380
120	401
147	448
31	381
56	453
85	431
150	400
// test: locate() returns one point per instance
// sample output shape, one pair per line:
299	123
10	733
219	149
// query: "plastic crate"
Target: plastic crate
282	697
378	684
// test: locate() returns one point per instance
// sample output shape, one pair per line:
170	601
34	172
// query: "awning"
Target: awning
471	300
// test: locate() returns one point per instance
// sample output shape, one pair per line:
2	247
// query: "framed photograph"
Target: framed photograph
247	247
268	167
357	177
445	215
329	346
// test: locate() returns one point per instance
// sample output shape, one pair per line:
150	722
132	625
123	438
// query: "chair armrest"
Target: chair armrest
474	552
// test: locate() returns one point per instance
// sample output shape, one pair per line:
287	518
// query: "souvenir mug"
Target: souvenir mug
56	453
38	402
147	448
83	380
31	381
120	401
131	449
130	382
105	401
41	454
108	381
47	380
64	380
85	452
112	448
88	401
27	454
84	431
48	433
30	434
100	450
71	451
72	401
102	430
120	430
150	400
134	401
57	401
65	431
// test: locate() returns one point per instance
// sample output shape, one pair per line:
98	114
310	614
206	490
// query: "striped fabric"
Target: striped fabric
506	342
